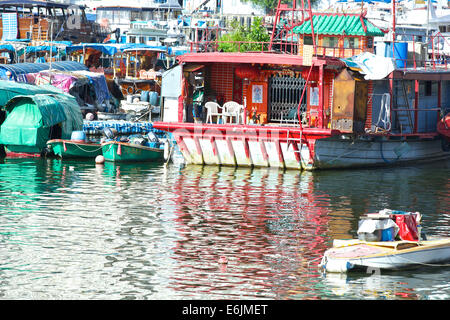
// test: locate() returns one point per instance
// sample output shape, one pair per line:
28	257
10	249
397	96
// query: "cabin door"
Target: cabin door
257	100
284	97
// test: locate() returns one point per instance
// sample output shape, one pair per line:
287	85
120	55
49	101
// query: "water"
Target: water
74	230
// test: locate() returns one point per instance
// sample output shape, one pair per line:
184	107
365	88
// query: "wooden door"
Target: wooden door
257	99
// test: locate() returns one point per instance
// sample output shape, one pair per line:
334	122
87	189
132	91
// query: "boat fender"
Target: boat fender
338	266
166	150
99	159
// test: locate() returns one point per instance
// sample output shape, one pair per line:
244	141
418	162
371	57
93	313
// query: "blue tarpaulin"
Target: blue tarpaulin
98	80
33	49
104	48
7	47
19	70
137	46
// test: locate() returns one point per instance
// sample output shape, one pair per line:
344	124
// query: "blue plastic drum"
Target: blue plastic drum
153	98
78	136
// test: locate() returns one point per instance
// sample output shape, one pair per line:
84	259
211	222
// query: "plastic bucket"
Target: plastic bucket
153	98
401	53
78	136
387	234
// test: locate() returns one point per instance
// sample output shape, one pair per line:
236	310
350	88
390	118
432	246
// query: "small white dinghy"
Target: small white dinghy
386	252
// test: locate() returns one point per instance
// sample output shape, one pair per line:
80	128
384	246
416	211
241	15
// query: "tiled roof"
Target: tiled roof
339	24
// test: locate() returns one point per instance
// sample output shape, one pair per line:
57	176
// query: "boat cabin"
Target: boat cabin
121	17
302	105
338	35
45	20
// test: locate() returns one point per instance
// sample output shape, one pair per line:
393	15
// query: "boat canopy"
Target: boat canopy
10	89
30	118
7	47
107	49
129	47
19	70
33	4
34	49
339	24
73	82
250	58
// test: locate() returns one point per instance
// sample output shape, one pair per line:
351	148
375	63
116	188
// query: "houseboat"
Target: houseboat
37	20
113	15
318	98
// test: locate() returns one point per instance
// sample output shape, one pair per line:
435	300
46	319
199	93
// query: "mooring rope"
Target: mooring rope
79	147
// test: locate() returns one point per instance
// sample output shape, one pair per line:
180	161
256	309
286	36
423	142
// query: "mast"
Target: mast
284	8
393	30
428	18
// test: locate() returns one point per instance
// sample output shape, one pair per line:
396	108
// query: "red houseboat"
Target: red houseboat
317	98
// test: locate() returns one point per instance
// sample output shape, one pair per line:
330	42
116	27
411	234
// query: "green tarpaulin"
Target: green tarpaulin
29	119
10	89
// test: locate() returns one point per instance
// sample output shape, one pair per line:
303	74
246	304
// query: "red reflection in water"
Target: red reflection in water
269	224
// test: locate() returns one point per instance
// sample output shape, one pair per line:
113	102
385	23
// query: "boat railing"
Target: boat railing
431	54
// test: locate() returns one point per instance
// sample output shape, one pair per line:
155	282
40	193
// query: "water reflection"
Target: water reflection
267	223
73	229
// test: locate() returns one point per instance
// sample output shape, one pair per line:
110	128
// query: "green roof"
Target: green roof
336	24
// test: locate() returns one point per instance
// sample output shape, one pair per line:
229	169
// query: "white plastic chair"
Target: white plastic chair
233	109
213	109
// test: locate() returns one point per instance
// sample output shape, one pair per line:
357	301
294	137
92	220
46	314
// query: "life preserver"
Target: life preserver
132	90
443	126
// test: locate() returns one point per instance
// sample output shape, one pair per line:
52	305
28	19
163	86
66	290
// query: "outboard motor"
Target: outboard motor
110	133
152	137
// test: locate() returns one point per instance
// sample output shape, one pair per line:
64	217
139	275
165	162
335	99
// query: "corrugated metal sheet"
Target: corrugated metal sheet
338	25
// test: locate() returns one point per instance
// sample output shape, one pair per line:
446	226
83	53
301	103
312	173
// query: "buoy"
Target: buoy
99	159
223	260
90	116
166	150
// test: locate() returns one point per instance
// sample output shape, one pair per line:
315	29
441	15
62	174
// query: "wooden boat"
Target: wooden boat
127	152
388	240
358	255
74	149
48	20
311	105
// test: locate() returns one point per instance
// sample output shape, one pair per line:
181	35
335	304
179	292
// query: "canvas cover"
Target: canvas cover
29	118
10	89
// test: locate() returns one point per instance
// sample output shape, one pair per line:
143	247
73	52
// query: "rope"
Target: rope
386	120
382	154
309	262
170	153
79	147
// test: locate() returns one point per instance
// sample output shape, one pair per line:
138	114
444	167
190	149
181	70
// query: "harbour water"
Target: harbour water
76	230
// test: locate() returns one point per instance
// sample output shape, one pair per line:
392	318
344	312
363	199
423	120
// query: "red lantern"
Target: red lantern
247	73
314	76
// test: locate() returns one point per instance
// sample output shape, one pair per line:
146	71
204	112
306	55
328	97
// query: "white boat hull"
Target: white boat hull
428	255
344	153
328	153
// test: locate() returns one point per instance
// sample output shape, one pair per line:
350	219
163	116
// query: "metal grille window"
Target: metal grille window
284	97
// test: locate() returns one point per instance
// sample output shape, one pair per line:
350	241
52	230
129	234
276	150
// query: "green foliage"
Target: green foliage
243	39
